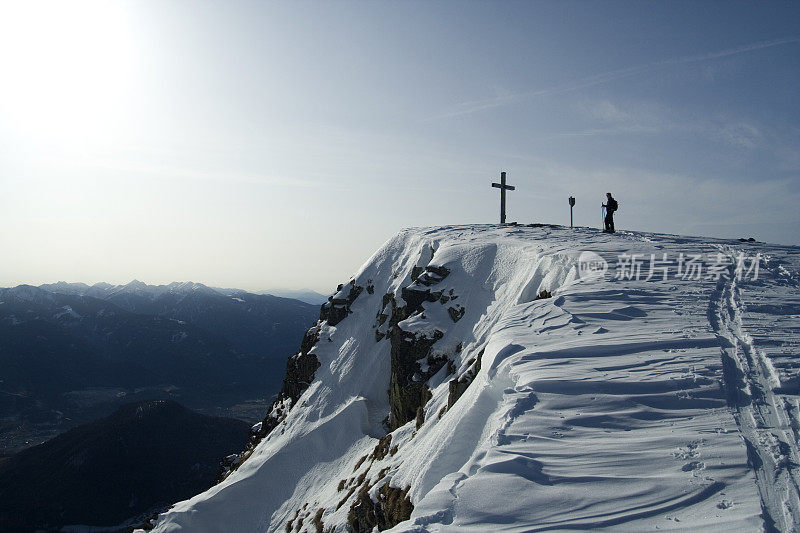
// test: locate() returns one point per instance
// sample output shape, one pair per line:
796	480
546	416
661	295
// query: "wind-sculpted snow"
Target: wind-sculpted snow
546	401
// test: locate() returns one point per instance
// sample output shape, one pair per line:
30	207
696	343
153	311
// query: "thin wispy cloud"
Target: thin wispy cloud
760	45
476	106
637	118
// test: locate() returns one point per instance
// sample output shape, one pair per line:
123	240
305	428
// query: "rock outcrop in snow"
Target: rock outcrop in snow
470	378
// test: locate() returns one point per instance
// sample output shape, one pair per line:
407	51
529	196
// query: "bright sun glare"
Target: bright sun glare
67	68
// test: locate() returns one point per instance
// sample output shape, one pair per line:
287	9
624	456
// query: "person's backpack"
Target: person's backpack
613	205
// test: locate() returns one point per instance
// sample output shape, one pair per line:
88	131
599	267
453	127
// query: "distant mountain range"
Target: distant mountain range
143	457
106	290
304	295
70	352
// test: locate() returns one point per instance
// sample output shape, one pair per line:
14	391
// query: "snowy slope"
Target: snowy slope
619	404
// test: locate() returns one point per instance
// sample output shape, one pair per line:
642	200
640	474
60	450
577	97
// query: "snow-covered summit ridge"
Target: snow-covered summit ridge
619	402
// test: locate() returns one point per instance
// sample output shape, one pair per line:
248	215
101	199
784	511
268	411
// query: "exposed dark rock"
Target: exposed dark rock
456	313
347	497
290	523
338	306
147	525
407	381
360	462
300	370
228	463
362	517
414	296
382	448
419	291
398	313
543	294
310	338
386	300
317	520
458	386
388	306
433	274
418	269
426	396
389	316
539	225
393	506
426	393
363	475
420	418
396	505
304	515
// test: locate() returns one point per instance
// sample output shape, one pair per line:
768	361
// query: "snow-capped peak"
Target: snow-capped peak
483	378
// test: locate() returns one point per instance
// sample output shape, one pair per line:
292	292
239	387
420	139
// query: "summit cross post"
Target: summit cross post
503	188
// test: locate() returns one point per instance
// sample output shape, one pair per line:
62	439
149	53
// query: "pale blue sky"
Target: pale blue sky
278	144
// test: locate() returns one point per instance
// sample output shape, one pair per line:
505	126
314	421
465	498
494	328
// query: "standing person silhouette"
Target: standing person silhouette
611	205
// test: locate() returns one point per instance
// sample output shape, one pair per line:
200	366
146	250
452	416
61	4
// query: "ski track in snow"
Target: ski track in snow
768	430
618	405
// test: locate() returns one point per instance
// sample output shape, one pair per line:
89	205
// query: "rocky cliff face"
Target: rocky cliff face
413	362
300	370
413	357
402	323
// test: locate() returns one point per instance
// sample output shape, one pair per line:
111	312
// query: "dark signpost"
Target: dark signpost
503	188
571	205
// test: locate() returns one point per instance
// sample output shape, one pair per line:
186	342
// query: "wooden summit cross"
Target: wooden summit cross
503	188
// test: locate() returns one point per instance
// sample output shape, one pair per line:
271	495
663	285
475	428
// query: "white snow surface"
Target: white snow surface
616	404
